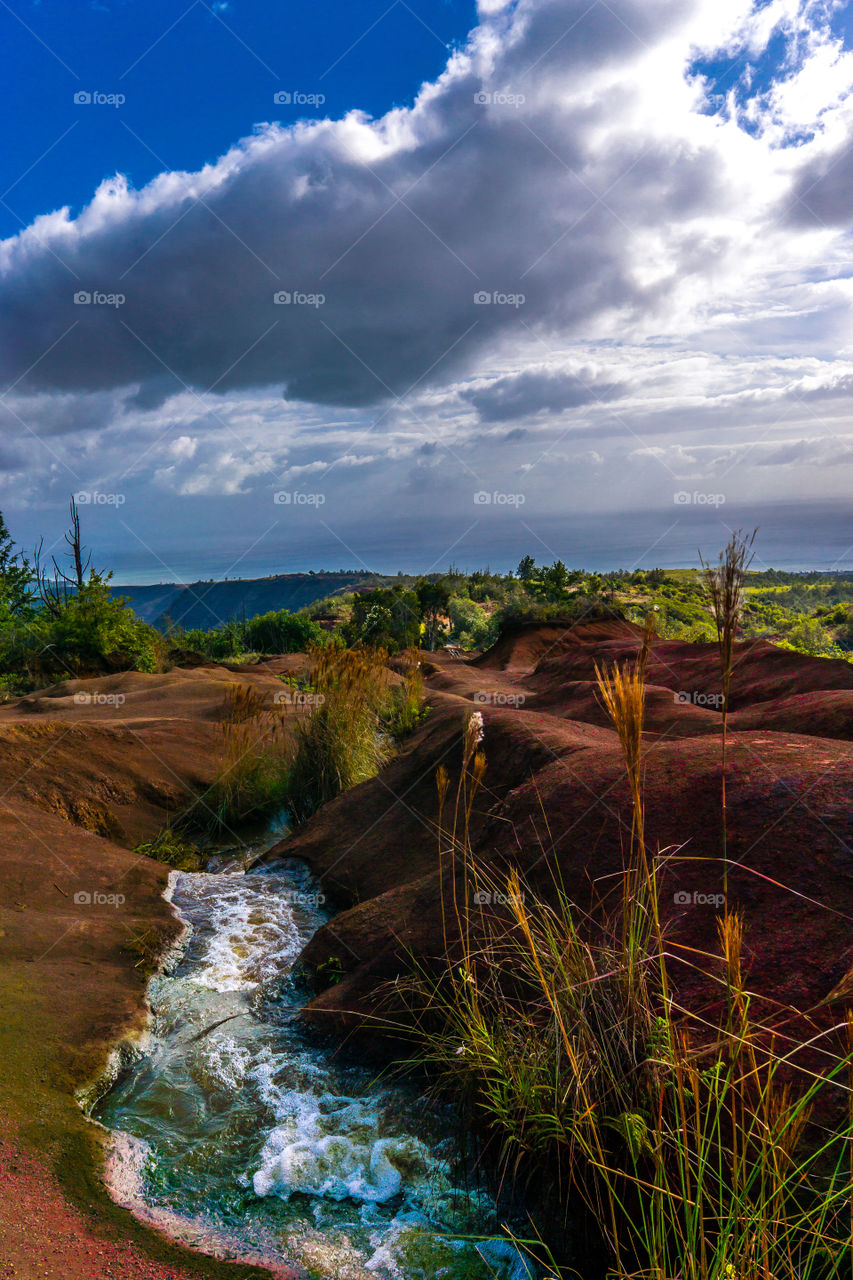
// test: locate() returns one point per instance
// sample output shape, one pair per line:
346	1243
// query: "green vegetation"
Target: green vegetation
329	973
254	763
649	1137
339	742
808	612
387	618
351	711
274	632
174	849
406	707
62	621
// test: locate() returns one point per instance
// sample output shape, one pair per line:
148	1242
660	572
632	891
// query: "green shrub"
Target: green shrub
339	742
17	581
174	849
13	686
470	624
387	618
218	644
282	632
95	631
809	636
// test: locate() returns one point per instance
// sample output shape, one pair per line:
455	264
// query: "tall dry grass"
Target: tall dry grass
691	1143
339	740
254	759
347	718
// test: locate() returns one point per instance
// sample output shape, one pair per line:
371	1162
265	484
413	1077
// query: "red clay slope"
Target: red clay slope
81	783
556	800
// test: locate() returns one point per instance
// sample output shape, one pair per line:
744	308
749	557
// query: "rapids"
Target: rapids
237	1134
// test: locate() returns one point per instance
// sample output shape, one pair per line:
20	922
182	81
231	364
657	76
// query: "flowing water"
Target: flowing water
238	1134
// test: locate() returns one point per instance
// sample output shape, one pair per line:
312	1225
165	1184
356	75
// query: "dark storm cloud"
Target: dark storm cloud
522	395
397	225
656	311
822	193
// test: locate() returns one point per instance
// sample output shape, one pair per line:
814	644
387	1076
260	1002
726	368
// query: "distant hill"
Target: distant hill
209	604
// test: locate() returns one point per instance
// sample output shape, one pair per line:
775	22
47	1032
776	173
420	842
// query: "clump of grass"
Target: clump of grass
724	585
252	777
339	742
176	850
686	1141
14	686
406	710
685	1146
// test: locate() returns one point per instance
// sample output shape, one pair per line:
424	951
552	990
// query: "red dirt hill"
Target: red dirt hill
85	779
556	801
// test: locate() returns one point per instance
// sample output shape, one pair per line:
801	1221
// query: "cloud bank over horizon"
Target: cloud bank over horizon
601	265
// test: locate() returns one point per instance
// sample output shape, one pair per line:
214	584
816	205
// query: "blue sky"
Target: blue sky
499	277
749	74
196	77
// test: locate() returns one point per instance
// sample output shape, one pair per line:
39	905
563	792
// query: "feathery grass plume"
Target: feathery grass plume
623	696
339	741
473	736
724	585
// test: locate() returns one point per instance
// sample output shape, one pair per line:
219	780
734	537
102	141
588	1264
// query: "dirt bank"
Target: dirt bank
85	778
82	781
556	803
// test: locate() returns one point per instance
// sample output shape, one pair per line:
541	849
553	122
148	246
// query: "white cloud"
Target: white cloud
685	281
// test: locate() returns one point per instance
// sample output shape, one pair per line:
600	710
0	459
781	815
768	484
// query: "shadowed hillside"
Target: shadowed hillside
209	604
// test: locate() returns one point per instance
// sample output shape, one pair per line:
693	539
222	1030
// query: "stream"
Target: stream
238	1133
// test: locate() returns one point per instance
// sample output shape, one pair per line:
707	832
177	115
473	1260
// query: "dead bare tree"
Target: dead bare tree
56	588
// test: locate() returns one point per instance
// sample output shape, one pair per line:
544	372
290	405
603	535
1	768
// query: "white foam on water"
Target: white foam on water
228	1061
249	934
336	1154
126	1161
359	1195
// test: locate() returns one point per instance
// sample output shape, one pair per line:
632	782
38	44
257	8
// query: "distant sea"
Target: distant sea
804	536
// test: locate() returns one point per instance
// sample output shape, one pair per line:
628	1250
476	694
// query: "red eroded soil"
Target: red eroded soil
85	780
82	782
556	801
